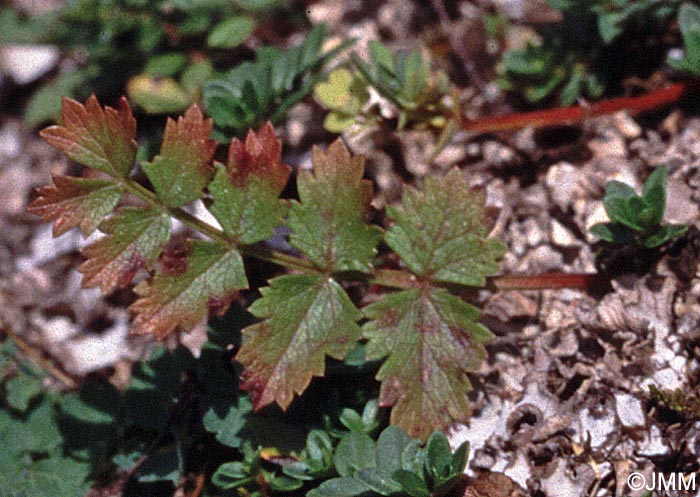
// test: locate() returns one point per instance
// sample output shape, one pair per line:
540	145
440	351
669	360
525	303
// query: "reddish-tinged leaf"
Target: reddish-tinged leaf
103	139
430	339
75	202
441	232
135	238
306	318
260	156
182	169
212	275
328	224
245	193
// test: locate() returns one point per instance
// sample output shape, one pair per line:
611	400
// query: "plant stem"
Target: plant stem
216	234
576	113
581	281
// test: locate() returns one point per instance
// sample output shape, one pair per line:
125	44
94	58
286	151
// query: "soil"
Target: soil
562	405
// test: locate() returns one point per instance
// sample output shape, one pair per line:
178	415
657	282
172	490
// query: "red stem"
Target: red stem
546	281
576	113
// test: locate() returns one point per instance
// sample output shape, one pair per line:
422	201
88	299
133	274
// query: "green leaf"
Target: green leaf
103	139
689	24
340	487
654	196
20	390
573	88
168	64
381	55
441	232
328	223
306	318
459	458
230	475
285	484
438	461
228	425
182	170
664	234
355	451
411	483
45	104
378	480
617	205
245	193
209	275
231	32
390	446
342	92
135	238
75	202
610	26
157	95
430	339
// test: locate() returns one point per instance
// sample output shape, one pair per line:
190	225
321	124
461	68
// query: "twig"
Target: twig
38	358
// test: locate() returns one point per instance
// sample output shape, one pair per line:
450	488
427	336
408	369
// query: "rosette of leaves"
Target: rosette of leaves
584	53
395	464
405	79
426	338
636	219
285	471
253	92
161	51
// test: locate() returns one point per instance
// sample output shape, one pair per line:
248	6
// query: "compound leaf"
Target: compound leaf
135	237
441	232
246	192
328	223
75	202
208	276
182	170
103	139
306	318
431	340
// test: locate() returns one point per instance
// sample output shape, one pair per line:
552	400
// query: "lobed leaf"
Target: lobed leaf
306	318
209	276
245	193
75	202
182	170
441	232
103	139
328	223
135	237
430	339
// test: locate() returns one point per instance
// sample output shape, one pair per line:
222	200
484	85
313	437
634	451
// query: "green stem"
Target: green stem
216	234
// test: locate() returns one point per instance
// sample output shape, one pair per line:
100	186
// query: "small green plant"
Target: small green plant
165	50
255	92
686	404
636	219
404	79
425	337
395	465
584	53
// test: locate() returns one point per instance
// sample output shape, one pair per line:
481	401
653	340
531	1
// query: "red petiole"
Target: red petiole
576	113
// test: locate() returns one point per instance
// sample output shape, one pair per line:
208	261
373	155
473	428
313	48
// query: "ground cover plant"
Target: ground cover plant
162	52
351	322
